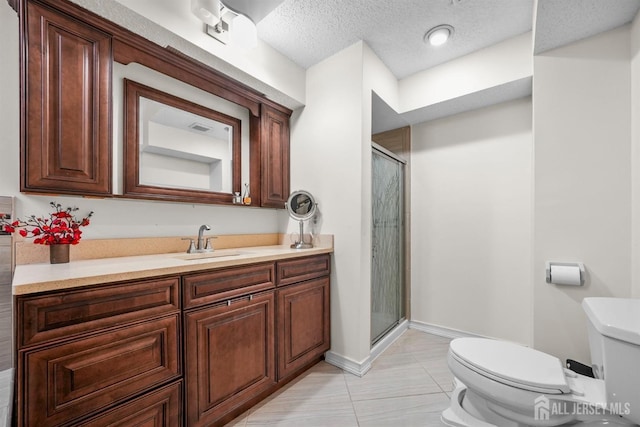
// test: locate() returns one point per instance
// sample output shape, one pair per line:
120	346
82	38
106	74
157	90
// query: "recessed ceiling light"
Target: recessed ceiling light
438	35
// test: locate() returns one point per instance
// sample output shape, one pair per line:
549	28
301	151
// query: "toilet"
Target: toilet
503	384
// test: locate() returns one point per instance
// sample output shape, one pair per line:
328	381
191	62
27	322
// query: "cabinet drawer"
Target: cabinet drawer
73	312
161	408
219	285
72	380
297	270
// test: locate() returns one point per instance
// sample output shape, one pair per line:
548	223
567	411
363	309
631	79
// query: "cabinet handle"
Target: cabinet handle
249	297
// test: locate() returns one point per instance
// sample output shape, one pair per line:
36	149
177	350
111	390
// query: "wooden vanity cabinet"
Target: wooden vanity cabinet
114	354
262	324
88	352
303	319
66	107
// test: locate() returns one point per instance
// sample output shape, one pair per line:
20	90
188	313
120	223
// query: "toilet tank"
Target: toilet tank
614	340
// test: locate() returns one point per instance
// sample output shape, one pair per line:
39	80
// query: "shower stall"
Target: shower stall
387	239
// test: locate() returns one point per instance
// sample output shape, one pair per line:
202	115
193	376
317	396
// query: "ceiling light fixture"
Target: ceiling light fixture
438	35
233	22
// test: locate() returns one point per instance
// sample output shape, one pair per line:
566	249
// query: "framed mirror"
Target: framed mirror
177	150
302	207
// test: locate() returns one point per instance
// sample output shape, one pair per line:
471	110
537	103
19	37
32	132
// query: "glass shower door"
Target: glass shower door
387	271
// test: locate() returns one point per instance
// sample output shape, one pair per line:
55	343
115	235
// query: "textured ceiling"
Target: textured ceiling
308	31
560	22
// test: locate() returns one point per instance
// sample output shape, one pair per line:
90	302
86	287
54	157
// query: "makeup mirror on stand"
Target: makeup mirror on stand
302	207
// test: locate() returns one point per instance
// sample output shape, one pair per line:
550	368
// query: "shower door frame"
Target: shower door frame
377	149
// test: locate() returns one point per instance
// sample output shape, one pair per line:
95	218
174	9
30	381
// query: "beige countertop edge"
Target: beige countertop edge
35	278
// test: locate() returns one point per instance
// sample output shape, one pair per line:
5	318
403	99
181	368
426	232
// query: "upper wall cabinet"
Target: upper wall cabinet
66	145
274	155
68	56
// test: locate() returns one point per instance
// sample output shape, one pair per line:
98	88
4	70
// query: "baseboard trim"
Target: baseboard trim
347	364
361	368
441	330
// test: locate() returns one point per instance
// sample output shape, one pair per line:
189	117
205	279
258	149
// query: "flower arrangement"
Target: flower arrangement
62	226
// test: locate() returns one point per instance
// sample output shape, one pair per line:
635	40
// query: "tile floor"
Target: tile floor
408	385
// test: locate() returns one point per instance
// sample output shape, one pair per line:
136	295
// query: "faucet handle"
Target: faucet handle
208	246
192	245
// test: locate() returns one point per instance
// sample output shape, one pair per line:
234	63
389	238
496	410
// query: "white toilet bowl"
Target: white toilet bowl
509	385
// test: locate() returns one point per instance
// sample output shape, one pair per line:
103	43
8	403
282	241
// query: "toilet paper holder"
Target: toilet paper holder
550	264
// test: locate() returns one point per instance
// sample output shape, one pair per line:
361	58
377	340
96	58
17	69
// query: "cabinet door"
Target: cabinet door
229	355
303	324
66	146
275	158
75	379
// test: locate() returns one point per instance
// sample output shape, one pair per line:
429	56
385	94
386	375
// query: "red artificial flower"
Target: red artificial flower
62	227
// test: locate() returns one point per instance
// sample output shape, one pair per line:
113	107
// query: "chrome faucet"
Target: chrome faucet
200	246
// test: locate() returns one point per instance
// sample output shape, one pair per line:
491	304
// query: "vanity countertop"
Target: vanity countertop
33	278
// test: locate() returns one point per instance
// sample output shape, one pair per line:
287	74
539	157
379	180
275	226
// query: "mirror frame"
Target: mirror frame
133	91
308	215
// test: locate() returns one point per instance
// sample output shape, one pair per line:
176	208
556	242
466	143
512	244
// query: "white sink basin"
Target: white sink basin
207	255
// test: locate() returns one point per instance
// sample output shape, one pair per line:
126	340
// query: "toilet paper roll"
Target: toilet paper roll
565	275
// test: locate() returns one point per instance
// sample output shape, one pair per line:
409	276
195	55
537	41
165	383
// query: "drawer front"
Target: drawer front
72	312
219	285
298	270
161	408
72	380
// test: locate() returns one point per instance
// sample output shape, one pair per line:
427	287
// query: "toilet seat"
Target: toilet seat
512	364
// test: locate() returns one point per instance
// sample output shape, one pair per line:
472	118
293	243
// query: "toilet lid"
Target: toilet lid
512	364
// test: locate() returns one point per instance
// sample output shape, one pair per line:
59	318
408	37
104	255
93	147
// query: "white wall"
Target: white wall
113	217
471	188
582	129
326	160
331	158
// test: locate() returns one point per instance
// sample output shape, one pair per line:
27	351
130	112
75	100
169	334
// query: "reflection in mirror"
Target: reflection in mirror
183	150
177	150
301	206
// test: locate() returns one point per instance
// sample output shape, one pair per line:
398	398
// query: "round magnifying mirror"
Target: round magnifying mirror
301	206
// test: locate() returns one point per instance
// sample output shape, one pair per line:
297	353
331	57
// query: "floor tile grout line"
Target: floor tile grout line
353	407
